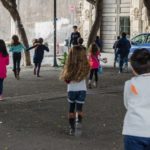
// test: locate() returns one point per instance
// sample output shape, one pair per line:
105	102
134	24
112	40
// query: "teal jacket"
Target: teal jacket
17	48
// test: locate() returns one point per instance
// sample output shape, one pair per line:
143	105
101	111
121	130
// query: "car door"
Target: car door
139	41
147	43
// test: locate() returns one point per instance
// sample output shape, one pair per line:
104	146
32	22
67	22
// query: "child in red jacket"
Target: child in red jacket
94	64
4	61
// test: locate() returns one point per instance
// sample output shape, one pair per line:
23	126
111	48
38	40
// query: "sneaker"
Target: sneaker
78	129
17	77
72	132
95	84
126	68
1	98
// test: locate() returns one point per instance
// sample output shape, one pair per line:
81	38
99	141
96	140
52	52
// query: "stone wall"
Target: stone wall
112	11
139	20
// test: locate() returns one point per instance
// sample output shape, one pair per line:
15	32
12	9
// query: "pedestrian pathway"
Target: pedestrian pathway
34	115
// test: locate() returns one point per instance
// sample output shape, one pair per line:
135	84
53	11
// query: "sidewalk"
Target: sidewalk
34	114
48	61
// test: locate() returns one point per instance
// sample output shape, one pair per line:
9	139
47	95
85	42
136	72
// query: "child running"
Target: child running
136	129
16	48
74	73
38	54
94	64
4	61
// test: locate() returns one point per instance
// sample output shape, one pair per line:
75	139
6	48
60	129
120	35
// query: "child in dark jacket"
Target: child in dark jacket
38	56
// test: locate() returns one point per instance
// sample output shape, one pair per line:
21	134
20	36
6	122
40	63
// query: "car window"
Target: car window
148	39
140	39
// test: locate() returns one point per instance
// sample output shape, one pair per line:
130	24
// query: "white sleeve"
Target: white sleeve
126	93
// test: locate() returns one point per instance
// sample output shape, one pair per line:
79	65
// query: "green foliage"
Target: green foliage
63	59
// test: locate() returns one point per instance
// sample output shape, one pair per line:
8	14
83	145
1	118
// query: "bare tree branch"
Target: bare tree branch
11	6
93	2
147	4
97	22
6	4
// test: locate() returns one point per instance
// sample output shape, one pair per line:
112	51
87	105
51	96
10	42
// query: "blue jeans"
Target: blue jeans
1	86
77	97
136	143
123	60
116	56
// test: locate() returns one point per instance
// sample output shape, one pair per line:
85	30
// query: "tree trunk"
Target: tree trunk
12	8
147	4
23	35
97	22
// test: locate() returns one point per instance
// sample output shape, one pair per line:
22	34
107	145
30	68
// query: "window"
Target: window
148	39
140	39
125	25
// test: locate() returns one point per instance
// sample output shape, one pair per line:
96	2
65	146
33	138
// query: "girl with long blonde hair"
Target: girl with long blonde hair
74	73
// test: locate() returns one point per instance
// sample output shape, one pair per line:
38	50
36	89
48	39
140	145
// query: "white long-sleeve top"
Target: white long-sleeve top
137	103
77	86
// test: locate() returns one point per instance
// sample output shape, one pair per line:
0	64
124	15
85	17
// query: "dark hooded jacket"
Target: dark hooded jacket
123	46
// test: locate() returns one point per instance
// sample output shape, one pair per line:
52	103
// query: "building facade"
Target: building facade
37	18
37	15
118	16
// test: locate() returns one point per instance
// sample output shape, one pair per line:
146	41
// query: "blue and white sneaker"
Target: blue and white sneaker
78	129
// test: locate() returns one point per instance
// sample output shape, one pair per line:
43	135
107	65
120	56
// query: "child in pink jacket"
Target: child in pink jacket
94	64
4	61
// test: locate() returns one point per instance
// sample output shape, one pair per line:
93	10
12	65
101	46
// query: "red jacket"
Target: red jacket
4	61
94	61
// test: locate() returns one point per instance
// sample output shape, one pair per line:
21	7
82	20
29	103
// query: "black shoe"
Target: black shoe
15	73
38	76
34	72
90	86
114	65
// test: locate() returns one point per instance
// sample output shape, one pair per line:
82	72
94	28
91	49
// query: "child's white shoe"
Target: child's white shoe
90	84
78	130
1	97
71	131
95	84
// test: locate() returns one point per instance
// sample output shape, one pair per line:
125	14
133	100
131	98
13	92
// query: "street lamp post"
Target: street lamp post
55	33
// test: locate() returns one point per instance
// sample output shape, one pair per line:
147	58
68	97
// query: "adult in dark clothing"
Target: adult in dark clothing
123	46
74	36
98	42
116	50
